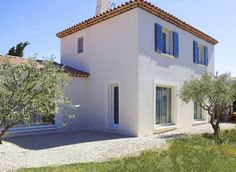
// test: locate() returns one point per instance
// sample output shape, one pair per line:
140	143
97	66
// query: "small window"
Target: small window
198	112
80	45
167	39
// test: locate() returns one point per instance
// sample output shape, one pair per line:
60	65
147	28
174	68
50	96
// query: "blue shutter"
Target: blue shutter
205	55
195	52
175	44
158	38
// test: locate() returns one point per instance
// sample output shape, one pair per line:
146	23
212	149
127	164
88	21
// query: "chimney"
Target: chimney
102	6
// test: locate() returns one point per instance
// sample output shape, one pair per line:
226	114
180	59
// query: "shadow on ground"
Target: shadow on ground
39	142
173	136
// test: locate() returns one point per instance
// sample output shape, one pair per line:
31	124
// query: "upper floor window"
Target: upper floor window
200	54
80	45
166	41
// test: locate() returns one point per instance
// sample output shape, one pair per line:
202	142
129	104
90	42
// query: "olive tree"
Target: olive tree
29	88
214	94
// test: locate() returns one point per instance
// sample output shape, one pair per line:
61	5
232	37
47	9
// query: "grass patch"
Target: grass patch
193	153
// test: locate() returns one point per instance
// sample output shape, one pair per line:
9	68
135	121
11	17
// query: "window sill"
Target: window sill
162	128
199	122
79	54
168	55
201	65
113	128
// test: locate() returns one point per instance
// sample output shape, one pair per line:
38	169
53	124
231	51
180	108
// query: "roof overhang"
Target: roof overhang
137	4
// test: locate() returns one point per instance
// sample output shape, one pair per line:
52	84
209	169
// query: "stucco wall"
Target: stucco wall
76	90
155	68
110	56
121	51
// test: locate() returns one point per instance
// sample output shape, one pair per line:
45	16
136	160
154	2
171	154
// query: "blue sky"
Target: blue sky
39	21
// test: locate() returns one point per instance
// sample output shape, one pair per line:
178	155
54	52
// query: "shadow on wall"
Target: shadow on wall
39	142
178	65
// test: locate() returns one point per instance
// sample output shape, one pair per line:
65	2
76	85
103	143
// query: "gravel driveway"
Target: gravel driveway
58	149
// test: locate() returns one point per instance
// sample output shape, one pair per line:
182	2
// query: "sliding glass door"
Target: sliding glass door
163	105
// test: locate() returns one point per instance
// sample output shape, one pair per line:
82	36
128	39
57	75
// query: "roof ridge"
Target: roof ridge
145	5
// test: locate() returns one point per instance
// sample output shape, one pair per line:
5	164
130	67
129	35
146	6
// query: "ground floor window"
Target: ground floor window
163	105
234	106
198	112
38	120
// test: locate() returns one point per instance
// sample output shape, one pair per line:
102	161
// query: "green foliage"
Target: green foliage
214	94
219	89
193	153
27	89
18	50
225	137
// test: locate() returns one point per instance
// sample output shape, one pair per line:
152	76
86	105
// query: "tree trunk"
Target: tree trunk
3	132
216	130
215	124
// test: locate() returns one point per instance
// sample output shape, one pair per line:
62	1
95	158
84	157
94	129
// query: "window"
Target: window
166	41
38	120
164	47
167	46
233	109
80	45
200	54
114	105
163	105
198	112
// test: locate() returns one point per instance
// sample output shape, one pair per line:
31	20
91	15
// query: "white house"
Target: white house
137	57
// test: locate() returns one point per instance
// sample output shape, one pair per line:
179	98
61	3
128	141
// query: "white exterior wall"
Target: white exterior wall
76	91
110	56
157	69
121	51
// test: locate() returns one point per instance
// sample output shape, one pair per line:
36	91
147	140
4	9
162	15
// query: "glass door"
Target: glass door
163	106
115	105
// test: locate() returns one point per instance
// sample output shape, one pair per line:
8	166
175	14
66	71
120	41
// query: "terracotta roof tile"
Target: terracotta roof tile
14	59
20	60
72	71
147	6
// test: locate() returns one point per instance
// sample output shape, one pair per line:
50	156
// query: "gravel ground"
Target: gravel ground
59	149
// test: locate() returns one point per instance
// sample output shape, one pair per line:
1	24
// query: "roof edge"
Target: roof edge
147	6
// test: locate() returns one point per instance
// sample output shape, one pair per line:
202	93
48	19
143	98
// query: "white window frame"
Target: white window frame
81	37
201	54
110	115
202	111
173	87
169	41
76	38
204	117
